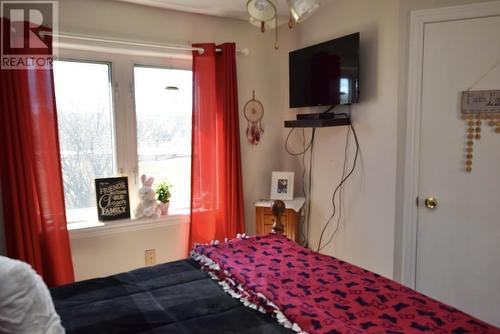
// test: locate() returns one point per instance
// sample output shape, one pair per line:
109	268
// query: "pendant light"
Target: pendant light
171	87
267	25
302	9
262	12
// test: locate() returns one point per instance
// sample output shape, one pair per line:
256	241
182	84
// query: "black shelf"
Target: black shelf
317	123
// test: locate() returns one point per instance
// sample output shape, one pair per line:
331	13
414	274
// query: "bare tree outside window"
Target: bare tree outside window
164	128
85	122
86	131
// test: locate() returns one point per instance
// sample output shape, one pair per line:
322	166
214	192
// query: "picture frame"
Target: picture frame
282	185
112	198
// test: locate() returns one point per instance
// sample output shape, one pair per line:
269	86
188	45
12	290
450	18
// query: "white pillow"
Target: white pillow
25	302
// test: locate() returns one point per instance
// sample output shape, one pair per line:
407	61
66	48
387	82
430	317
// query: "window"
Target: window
163	100
116	118
85	122
344	90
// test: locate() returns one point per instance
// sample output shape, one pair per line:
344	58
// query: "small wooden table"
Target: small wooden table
290	219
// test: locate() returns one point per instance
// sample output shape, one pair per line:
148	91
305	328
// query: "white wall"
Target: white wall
102	252
370	232
366	234
255	72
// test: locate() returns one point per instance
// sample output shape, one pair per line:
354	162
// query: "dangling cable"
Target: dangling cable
342	181
341	191
302	154
303	239
276	45
310	146
294	153
308	226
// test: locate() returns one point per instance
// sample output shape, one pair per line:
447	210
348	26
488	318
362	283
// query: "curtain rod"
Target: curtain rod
244	52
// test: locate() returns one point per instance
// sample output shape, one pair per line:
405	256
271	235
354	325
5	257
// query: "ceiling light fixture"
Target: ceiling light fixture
302	9
264	13
257	23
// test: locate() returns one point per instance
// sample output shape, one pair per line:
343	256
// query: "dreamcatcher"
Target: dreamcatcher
254	111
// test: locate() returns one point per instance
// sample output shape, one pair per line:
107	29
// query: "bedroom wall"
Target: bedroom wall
98	253
366	233
370	231
126	21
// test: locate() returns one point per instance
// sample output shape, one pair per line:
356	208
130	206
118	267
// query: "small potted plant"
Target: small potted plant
163	195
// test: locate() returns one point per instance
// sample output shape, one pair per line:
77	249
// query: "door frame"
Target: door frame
419	19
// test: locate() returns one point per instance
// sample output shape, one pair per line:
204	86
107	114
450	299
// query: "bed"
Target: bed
174	297
263	284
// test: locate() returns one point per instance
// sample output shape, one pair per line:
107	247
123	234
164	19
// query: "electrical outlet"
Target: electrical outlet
150	257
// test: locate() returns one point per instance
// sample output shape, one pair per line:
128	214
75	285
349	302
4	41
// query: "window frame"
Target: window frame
123	106
84	212
136	170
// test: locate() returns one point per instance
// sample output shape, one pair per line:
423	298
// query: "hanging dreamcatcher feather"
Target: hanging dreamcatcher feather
254	112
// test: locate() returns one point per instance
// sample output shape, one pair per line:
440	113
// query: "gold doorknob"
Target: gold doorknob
431	202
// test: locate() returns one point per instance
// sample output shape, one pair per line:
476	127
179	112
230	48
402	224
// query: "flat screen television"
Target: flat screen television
325	74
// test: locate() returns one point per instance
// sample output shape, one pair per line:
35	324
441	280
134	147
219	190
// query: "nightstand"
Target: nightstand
291	217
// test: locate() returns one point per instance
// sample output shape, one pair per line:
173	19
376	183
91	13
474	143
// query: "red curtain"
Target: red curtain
31	178
216	181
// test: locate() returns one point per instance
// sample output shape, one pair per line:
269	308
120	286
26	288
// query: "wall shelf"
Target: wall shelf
317	123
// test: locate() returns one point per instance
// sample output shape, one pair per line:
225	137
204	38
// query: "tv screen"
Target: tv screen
325	73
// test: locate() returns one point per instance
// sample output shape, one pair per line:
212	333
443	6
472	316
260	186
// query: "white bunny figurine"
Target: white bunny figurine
147	207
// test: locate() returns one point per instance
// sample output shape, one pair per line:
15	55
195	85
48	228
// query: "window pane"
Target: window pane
164	128
85	121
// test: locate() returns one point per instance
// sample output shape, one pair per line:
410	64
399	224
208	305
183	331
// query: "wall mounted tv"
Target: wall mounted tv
325	74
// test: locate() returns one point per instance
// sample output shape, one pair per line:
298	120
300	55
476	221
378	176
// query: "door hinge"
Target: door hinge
416	202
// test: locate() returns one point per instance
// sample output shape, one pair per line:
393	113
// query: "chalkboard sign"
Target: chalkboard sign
112	198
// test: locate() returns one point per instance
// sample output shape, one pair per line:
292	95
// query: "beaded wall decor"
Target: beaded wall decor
478	107
254	112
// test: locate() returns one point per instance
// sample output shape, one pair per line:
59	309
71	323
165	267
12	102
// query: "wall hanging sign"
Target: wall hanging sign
112	198
254	112
477	107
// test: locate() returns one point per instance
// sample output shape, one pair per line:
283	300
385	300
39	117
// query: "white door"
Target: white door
458	242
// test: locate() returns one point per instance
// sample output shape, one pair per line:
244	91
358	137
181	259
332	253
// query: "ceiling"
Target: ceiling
235	9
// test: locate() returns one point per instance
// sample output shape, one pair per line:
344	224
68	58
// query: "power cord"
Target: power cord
344	178
308	226
295	153
307	208
310	146
341	190
303	238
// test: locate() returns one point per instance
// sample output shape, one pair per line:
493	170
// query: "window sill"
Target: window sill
89	229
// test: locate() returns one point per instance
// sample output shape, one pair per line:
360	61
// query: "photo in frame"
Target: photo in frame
282	185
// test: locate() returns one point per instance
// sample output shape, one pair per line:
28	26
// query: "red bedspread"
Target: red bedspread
320	294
